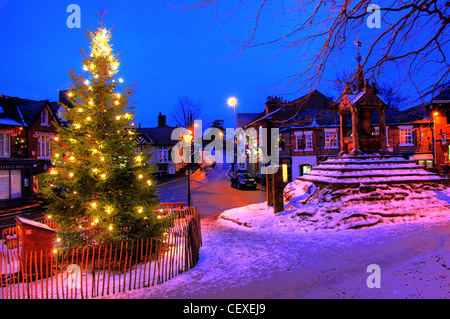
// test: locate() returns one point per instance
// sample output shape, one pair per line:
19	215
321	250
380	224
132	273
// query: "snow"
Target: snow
9	122
238	262
249	252
9	261
369	169
33	223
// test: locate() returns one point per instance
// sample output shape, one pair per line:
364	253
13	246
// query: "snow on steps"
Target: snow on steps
353	192
364	206
373	169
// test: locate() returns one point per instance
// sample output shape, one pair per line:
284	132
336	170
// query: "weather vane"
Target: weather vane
359	45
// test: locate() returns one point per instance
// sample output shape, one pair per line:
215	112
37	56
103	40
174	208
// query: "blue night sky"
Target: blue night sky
166	52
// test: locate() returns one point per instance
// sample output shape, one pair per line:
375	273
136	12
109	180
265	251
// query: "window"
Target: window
285	173
163	154
10	184
62	114
331	139
5	145
44	146
303	141
406	136
377	132
304	169
44	117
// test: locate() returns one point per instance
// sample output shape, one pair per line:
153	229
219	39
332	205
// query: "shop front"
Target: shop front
16	185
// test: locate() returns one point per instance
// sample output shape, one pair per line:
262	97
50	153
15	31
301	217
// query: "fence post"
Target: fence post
278	201
269	185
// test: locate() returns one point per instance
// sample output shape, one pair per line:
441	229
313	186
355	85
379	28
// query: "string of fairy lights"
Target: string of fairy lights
102	65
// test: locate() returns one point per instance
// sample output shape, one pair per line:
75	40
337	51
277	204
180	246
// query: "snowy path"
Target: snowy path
240	262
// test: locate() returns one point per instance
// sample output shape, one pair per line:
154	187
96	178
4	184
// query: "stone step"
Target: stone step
371	179
351	168
346	161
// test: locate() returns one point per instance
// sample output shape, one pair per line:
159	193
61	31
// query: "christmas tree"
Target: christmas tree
100	189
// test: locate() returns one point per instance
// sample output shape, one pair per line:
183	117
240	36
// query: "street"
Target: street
210	190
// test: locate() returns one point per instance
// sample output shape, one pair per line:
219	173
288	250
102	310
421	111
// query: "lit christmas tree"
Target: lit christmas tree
100	188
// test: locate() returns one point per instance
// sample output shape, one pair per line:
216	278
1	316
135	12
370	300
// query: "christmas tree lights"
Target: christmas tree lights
100	188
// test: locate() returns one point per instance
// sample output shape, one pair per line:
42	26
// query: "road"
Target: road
210	191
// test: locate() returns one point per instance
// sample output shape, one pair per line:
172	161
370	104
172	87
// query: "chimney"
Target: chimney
272	103
161	120
64	98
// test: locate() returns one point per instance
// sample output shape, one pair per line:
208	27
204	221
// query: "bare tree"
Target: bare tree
410	35
391	93
186	111
392	96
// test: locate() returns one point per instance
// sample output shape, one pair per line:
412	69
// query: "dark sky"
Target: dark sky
166	52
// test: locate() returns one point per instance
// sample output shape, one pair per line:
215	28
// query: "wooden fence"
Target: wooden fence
89	272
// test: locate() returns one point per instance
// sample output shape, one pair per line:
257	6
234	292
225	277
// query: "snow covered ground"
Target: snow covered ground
316	247
237	261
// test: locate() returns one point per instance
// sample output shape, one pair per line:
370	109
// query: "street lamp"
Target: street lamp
232	101
434	139
188	140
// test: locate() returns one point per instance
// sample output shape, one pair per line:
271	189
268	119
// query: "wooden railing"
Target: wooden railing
89	272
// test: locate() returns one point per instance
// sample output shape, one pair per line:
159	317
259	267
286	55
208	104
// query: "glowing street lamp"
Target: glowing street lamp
232	102
434	138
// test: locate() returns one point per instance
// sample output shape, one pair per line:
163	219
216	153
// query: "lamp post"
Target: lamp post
188	139
232	101
434	139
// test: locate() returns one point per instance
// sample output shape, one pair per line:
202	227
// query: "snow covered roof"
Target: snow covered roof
10	122
29	222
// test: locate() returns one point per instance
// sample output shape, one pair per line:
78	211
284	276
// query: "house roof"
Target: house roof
31	112
159	135
29	222
10	113
22	112
394	116
311	109
245	118
444	95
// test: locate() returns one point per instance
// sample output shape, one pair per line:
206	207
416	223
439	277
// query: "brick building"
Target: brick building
159	140
26	129
310	132
307	129
438	110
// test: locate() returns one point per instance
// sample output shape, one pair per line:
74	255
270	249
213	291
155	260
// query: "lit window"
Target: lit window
285	173
10	184
406	135
331	139
303	141
377	132
43	146
62	114
5	144
163	154
44	117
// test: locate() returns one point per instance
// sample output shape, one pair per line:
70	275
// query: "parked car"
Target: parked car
243	180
